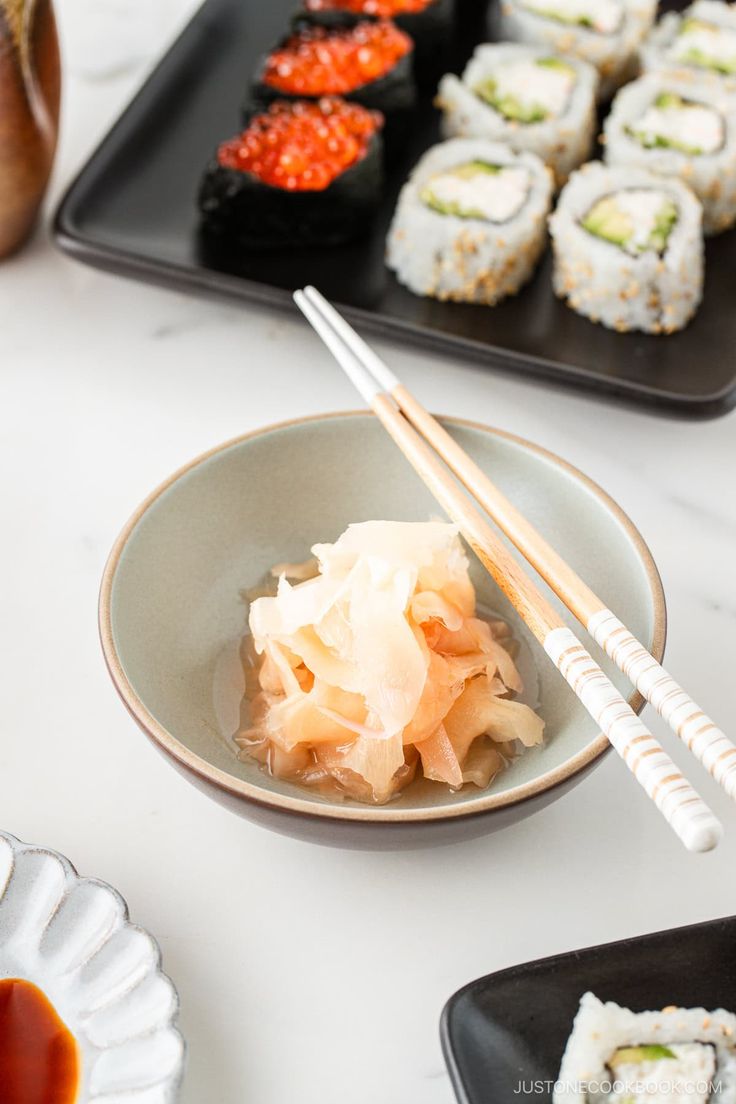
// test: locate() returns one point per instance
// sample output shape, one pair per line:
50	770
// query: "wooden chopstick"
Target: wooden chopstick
684	810
701	736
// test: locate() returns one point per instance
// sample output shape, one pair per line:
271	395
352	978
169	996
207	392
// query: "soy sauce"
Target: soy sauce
39	1061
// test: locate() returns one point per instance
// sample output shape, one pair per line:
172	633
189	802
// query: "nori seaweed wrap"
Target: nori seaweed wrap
471	18
432	28
296	190
393	93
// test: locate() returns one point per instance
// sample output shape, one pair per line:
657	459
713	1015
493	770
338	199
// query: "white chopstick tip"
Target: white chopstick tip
702	837
300	301
361	379
370	359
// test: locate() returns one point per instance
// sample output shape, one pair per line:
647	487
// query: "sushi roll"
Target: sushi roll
616	1056
301	173
364	61
628	248
606	33
702	38
429	23
528	98
470	222
679	125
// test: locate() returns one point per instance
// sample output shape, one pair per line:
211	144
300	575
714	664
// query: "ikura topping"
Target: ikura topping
385	9
304	146
318	61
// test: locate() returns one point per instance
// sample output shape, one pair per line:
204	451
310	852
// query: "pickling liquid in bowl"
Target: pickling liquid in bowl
235	684
39	1059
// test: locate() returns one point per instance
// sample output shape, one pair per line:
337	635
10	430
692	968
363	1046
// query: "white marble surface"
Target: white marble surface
306	975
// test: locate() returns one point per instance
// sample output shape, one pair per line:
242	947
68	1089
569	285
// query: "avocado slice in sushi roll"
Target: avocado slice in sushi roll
635	1054
478	190
636	219
363	61
429	23
707	46
301	173
672	122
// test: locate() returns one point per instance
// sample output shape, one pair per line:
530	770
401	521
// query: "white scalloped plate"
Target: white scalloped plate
71	937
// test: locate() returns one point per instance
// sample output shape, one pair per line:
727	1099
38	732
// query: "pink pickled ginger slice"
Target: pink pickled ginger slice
378	664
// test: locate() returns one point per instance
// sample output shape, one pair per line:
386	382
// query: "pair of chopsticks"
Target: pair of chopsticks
414	430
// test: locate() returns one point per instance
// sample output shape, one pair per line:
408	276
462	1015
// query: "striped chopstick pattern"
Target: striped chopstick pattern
673	795
699	734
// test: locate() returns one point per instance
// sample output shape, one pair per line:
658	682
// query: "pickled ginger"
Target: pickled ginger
377	669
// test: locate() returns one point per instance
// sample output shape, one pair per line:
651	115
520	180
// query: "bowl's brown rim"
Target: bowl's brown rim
387	814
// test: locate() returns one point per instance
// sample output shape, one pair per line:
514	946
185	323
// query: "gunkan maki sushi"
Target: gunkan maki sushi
364	61
301	173
430	24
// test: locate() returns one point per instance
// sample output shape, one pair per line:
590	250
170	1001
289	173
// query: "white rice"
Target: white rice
467	259
664	48
563	140
711	175
612	49
601	1029
649	292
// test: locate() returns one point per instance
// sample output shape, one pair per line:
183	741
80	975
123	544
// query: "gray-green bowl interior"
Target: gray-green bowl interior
176	605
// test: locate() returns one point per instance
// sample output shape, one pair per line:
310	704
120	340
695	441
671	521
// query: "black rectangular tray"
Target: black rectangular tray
504	1035
132	211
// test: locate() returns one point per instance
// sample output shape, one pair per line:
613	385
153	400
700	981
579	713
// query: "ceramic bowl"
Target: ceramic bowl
71	937
172	614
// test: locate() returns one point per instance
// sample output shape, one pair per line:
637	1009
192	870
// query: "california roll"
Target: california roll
606	33
683	126
536	102
303	172
628	248
470	222
702	38
616	1056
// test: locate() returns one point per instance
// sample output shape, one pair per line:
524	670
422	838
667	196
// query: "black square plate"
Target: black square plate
504	1035
132	211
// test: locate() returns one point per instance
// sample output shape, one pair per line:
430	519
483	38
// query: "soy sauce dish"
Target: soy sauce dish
195	556
85	1013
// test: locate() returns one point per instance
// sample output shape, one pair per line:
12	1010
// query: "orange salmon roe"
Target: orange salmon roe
385	9
303	146
317	61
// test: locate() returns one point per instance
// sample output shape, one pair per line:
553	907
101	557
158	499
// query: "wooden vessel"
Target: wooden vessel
30	85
